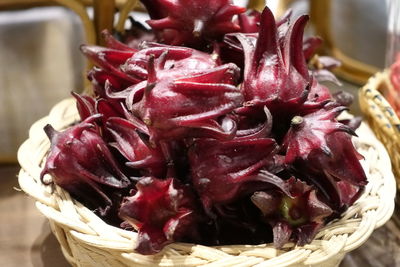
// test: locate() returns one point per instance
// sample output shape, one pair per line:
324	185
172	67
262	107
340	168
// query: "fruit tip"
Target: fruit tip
50	131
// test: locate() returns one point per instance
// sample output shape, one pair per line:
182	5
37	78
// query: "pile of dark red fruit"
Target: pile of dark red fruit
210	128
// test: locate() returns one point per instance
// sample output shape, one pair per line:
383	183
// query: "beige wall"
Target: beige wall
40	64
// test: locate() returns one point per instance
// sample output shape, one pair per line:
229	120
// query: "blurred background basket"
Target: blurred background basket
86	240
381	116
373	97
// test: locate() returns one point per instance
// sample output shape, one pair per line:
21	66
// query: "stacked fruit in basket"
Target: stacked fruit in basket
212	128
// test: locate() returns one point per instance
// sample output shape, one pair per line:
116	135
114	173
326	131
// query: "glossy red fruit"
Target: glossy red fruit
224	171
171	106
162	211
81	163
150	161
189	22
176	61
275	76
293	210
309	134
318	138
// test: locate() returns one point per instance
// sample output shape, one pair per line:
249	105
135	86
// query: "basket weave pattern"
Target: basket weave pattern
87	241
381	116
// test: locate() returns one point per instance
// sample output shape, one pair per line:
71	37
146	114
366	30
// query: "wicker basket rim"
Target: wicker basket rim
81	233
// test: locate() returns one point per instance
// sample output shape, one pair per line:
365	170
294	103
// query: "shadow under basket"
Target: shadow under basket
88	241
381	116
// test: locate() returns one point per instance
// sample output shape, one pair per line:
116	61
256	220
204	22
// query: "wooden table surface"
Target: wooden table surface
26	239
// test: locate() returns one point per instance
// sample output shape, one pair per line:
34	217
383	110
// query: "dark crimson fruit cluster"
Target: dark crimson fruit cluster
216	131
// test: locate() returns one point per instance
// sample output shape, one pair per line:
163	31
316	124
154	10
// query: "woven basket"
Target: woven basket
87	241
381	116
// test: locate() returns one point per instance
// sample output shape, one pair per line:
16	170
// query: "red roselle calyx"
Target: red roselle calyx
81	163
275	76
170	107
319	139
189	22
294	211
163	211
224	171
